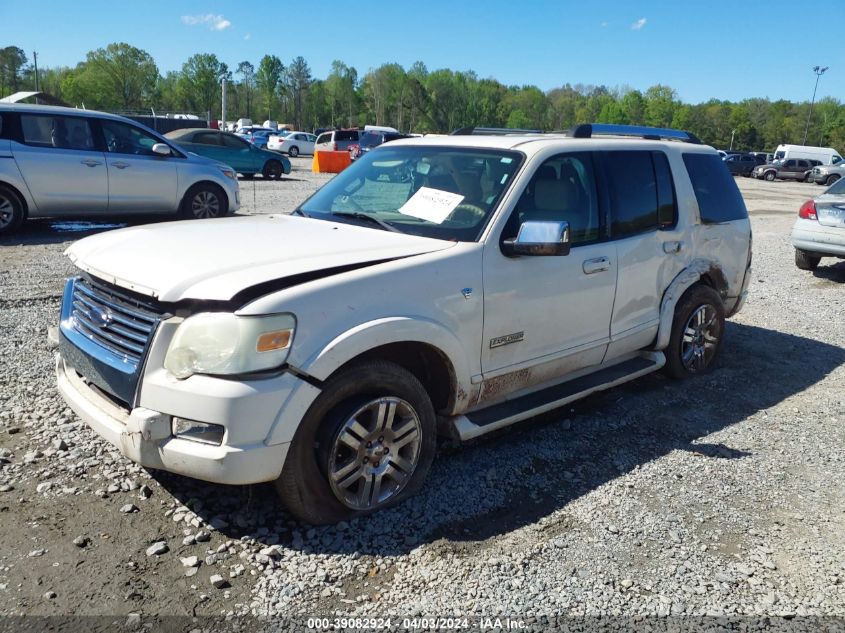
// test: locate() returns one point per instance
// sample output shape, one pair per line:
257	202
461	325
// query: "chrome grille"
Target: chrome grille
121	324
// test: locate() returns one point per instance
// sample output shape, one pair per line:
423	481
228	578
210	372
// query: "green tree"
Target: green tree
199	82
297	79
118	76
247	72
268	78
13	65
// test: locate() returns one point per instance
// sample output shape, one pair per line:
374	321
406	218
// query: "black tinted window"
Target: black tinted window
57	131
667	206
718	197
633	192
346	135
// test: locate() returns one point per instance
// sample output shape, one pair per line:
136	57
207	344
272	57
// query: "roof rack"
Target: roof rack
492	131
588	130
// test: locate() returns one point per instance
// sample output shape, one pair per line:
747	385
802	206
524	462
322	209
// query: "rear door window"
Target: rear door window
206	138
633	192
715	190
57	131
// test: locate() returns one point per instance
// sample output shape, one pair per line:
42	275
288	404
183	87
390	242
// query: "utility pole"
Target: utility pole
223	103
819	72
35	63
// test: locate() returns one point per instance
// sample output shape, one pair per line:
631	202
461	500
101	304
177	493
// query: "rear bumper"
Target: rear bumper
810	236
144	436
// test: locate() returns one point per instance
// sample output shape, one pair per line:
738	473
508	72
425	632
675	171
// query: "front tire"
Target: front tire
12	212
805	261
831	179
204	200
366	443
697	331
273	170
770	176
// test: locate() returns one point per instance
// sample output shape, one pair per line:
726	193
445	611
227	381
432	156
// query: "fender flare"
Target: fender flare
397	329
680	284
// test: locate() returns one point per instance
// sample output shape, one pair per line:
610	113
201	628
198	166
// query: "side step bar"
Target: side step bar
497	416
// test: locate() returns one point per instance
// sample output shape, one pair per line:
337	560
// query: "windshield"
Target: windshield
441	192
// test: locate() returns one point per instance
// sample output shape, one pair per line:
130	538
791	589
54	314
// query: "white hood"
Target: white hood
215	259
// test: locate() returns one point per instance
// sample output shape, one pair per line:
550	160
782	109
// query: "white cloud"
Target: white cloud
214	22
247	36
636	26
604	24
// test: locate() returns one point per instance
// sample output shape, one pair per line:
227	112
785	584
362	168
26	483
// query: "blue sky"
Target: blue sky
725	50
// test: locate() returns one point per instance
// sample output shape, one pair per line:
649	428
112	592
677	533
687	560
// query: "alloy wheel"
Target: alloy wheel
701	338
375	453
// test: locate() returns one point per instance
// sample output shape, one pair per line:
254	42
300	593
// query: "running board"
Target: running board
497	416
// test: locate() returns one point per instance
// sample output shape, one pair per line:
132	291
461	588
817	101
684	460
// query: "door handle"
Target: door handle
120	165
596	265
91	162
672	247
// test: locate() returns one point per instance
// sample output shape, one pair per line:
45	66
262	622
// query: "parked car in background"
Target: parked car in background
336	140
293	143
819	230
64	162
792	169
258	137
763	157
824	155
740	164
453	280
245	158
827	174
372	139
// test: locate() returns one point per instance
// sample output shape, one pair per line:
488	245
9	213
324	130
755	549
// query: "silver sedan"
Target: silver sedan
819	230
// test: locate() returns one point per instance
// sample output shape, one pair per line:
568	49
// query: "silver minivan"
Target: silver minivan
64	162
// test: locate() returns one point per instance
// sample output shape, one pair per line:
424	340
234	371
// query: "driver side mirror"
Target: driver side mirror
538	239
161	149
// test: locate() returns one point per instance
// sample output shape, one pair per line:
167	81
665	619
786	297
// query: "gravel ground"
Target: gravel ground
719	495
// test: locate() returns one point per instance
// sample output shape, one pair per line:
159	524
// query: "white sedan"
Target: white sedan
293	143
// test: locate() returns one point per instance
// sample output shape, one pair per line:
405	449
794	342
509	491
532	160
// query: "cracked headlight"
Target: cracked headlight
221	343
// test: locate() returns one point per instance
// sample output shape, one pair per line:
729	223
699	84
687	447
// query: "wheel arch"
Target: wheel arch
701	271
19	194
199	183
425	348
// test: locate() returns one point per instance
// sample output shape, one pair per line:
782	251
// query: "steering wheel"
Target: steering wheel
467	214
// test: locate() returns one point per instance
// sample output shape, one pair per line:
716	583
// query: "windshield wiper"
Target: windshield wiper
301	212
363	216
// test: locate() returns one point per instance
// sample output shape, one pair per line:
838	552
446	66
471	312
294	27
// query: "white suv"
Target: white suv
448	285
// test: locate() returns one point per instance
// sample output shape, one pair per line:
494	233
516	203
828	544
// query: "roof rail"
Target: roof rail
492	131
587	130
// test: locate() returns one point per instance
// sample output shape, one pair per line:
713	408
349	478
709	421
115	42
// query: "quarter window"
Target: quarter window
57	131
718	197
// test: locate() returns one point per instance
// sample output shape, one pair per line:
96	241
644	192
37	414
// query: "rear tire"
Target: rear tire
12	213
203	201
340	445
805	261
273	170
698	328
293	151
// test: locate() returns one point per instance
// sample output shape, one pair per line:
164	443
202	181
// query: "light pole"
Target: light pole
819	72
732	140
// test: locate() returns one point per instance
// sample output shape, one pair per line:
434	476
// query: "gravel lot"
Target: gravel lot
720	495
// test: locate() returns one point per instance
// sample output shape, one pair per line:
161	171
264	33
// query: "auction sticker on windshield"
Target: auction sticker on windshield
432	205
